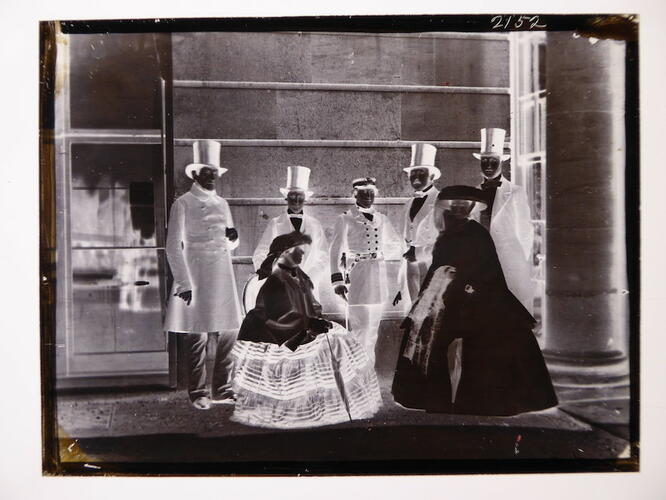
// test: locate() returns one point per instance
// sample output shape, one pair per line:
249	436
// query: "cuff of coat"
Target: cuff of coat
336	278
181	286
232	245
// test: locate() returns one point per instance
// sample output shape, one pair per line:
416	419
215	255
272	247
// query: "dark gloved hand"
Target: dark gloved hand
231	233
406	323
410	254
319	325
186	296
263	274
341	290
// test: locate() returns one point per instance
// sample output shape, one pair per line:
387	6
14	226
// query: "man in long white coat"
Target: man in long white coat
362	239
295	218
204	299
507	217
418	228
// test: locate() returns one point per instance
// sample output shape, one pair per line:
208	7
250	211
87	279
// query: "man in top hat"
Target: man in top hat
418	230
315	260
507	217
203	297
362	239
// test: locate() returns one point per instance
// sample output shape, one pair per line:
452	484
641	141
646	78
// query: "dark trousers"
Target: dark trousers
222	367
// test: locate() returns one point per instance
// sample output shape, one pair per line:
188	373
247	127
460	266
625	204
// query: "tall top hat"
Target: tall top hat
206	154
298	179
423	156
492	143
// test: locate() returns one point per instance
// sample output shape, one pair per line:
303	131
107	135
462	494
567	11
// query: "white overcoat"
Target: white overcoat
513	234
354	235
315	260
199	255
421	234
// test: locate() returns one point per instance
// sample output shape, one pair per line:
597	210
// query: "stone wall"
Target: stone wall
235	87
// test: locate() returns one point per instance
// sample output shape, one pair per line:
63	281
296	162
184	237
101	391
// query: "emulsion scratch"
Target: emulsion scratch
91	466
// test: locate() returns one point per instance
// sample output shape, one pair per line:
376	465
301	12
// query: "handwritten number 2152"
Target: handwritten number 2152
503	22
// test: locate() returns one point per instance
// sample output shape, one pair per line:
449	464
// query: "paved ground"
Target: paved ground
161	428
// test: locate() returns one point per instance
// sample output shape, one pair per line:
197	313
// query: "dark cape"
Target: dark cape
503	370
284	308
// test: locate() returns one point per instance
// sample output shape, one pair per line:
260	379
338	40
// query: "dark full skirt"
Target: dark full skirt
502	374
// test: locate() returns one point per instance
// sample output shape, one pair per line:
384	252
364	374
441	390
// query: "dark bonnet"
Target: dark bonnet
462	193
278	245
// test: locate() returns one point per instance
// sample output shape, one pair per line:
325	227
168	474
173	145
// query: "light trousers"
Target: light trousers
416	273
364	325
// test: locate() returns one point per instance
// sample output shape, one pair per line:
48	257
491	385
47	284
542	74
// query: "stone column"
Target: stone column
586	324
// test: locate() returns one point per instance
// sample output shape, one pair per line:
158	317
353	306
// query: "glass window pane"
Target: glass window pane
115	165
526	127
539	251
117	300
113	217
525	71
115	78
542	124
535	193
542	66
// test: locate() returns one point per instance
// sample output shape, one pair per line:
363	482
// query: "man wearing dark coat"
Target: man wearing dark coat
465	296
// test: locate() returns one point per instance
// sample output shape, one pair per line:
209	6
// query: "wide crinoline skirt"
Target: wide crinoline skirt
279	388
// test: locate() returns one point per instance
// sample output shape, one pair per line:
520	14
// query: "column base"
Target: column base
588	370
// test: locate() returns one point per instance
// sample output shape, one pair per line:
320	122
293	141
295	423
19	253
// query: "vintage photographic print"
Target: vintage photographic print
340	245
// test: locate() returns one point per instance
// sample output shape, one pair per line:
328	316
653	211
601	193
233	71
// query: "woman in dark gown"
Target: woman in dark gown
292	368
465	296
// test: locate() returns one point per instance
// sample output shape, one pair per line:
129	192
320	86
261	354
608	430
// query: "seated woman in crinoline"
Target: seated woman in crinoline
293	368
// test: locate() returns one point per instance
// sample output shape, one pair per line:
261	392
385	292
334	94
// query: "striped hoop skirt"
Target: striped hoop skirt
279	388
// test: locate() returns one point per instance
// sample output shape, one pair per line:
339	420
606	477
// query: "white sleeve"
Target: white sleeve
338	247
426	235
393	245
405	222
321	248
174	248
261	252
523	223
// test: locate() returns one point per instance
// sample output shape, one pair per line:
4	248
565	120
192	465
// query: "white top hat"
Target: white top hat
206	154
423	156
492	143
298	179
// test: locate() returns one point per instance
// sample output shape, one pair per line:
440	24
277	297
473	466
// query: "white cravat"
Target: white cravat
422	194
370	210
198	190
